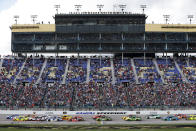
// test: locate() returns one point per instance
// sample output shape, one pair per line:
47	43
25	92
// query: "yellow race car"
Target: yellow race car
191	117
66	117
132	118
21	118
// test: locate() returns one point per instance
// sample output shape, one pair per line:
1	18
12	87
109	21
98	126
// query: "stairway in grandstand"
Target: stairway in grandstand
191	68
1	62
73	100
113	74
88	70
128	96
158	70
179	70
134	71
101	96
43	67
66	70
22	67
187	62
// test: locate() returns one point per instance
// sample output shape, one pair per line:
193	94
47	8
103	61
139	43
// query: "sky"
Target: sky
177	9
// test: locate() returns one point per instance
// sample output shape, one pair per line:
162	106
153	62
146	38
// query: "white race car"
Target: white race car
153	116
54	118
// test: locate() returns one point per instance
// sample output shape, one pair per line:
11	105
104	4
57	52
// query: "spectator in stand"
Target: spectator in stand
77	71
99	93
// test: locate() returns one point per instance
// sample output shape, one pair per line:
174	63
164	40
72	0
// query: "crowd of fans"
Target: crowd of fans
31	70
100	70
169	70
98	96
188	68
31	96
77	71
123	70
146	71
100	92
54	71
10	69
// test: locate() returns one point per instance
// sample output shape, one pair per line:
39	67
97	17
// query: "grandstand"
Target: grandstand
134	77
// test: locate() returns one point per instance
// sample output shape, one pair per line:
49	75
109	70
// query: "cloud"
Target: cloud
5	4
178	9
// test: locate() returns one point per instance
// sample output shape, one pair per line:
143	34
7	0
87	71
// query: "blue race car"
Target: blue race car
54	118
170	118
12	116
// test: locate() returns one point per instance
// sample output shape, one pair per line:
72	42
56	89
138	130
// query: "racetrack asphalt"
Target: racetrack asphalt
116	120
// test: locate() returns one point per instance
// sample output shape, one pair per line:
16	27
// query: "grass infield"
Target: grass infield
20	127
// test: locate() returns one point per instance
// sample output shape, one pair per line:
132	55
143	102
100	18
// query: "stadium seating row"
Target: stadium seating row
38	82
42	70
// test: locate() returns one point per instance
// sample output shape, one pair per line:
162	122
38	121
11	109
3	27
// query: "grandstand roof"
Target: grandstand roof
33	28
170	27
148	28
100	14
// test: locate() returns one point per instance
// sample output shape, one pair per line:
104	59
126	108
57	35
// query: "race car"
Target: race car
181	116
76	119
170	118
132	118
98	116
66	117
12	117
20	118
54	118
102	118
30	117
40	118
191	117
153	116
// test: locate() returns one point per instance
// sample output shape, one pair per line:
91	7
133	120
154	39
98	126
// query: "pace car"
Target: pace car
132	118
170	118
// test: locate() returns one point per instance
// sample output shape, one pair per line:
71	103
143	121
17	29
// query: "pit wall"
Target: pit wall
24	112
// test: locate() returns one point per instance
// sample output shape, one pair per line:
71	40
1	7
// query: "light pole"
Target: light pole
143	7
78	7
99	6
33	18
16	17
57	8
190	17
166	17
122	6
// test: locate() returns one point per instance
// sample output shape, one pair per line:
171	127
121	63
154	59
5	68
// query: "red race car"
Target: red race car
98	116
76	119
181	116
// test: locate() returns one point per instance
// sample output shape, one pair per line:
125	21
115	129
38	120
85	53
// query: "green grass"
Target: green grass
33	129
20	127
